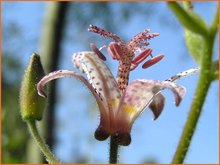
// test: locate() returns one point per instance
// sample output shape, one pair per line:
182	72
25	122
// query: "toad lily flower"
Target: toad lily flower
119	103
118	110
126	53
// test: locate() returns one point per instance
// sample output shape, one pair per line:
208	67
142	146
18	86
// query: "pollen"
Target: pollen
129	109
115	102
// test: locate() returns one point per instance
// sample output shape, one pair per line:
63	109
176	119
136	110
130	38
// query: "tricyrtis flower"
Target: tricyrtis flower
129	55
118	110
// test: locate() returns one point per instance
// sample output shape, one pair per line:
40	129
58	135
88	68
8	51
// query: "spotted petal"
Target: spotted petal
141	93
66	73
100	78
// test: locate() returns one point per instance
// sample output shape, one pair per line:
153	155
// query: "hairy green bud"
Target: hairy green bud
31	104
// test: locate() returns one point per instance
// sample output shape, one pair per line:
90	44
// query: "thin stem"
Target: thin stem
43	147
187	19
214	25
113	158
204	82
215	66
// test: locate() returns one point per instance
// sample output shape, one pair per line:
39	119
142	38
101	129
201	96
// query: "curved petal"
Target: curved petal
100	78
157	105
141	93
66	73
183	74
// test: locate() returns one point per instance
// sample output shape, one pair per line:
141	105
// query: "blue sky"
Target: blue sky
76	123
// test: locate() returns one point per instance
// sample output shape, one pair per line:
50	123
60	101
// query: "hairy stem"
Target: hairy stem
40	142
207	73
204	82
215	66
214	25
113	158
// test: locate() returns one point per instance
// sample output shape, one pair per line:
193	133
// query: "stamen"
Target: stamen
142	56
104	46
115	51
133	66
97	51
152	61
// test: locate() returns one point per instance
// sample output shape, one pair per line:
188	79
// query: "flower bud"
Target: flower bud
31	104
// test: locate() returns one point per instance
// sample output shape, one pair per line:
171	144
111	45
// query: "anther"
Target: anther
152	61
97	51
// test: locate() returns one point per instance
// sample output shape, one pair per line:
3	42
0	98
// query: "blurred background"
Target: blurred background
56	30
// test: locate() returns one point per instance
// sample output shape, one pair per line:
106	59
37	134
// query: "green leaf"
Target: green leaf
31	104
194	41
195	44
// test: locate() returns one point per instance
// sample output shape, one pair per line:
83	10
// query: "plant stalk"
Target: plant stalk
43	147
113	158
204	82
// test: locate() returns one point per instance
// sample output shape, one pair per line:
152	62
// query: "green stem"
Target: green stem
188	5
113	158
189	21
43	147
215	66
214	25
204	82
